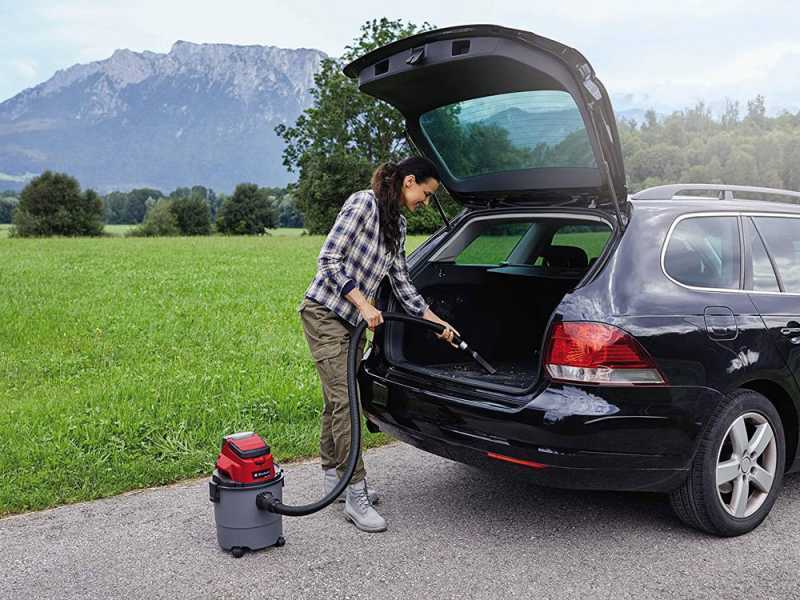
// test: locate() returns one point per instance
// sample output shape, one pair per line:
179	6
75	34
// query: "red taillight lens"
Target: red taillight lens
598	353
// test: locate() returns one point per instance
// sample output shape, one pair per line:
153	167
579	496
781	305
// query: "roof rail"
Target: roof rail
724	192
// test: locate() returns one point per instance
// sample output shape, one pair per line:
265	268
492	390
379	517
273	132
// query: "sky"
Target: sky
649	54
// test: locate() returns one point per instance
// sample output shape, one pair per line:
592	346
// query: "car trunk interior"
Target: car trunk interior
497	281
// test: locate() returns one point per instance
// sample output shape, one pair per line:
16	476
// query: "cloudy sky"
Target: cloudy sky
664	54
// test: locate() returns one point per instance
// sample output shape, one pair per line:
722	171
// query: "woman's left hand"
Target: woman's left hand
448	333
449	330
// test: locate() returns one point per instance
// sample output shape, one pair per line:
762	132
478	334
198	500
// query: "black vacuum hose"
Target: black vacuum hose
266	501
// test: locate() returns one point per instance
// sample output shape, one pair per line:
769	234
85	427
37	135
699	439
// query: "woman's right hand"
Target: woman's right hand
371	315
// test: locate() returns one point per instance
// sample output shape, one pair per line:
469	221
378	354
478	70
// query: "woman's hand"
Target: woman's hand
449	330
371	315
448	333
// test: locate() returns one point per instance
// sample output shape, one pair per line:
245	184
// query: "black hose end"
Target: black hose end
265	501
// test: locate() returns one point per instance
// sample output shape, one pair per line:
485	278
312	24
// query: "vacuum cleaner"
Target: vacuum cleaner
246	486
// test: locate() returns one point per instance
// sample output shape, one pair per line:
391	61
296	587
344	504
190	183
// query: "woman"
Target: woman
365	243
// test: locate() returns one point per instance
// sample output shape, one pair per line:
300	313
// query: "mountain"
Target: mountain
529	128
200	114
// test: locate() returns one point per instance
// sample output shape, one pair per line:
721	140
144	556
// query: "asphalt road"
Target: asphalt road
454	532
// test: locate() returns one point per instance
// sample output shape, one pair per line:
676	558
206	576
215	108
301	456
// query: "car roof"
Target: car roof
681	204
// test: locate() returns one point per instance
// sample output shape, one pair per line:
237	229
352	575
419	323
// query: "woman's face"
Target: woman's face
418	194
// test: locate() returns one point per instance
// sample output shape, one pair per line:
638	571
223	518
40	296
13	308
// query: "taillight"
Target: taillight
598	353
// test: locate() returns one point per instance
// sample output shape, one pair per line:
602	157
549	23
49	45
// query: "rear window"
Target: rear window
521	130
494	245
704	252
544	243
782	236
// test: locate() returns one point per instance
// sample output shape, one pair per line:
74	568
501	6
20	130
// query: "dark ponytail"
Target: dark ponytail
387	184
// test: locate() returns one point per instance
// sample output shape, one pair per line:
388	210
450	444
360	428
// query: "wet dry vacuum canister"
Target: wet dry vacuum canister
243	470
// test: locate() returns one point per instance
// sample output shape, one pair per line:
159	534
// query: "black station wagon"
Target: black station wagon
647	343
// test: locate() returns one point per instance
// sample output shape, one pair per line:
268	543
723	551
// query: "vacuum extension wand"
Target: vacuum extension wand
266	501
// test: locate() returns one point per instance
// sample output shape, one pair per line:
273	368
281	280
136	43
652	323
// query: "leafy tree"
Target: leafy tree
248	211
159	221
336	144
116	208
52	204
7	206
288	213
138	203
192	215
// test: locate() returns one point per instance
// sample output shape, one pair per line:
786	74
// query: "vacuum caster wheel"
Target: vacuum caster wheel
238	551
280	541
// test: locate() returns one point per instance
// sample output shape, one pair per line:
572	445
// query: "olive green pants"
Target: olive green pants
328	338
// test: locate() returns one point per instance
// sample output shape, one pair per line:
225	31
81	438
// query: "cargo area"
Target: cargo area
497	282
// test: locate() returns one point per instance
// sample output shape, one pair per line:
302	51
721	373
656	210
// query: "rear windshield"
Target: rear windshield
520	130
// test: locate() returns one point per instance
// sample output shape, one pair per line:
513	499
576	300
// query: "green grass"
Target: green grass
124	360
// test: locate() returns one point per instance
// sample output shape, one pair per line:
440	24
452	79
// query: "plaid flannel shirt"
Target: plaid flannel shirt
354	255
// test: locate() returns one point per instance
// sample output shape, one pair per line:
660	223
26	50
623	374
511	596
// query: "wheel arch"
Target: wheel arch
780	398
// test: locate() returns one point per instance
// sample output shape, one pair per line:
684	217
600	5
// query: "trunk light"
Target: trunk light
587	352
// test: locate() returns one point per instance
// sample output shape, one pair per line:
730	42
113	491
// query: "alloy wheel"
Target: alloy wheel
746	465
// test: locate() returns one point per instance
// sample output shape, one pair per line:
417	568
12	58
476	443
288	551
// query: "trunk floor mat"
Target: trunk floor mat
512	373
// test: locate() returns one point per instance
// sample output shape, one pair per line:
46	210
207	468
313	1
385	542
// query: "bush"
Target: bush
191	215
248	211
159	221
52	204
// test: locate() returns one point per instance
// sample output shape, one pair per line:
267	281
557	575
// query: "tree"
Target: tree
336	144
159	221
7	206
248	211
138	203
52	204
191	215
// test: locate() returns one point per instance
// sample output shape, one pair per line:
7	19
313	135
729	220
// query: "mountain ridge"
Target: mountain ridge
202	113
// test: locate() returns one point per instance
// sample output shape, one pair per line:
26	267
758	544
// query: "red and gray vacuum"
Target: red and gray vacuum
247	486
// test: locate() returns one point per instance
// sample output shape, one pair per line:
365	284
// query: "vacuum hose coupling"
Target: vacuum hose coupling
265	500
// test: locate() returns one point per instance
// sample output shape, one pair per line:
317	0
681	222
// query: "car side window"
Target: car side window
704	252
782	236
764	279
494	244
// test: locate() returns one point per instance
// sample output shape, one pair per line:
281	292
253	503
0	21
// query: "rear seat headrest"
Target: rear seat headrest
566	257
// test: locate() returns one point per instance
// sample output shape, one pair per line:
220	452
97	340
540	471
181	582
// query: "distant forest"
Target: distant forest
742	146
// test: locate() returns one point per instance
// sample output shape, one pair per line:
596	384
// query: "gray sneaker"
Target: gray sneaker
359	510
330	480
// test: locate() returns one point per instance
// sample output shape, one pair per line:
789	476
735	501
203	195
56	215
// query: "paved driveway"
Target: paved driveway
454	532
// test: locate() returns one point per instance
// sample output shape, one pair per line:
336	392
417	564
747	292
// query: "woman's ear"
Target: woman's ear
409	180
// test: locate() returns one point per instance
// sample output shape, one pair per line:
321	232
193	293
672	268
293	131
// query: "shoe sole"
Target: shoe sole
366	529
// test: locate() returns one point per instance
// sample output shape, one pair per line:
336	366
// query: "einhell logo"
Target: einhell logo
260	474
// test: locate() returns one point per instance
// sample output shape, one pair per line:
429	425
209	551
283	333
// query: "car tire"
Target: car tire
737	472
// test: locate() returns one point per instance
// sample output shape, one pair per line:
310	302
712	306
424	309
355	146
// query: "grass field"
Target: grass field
124	360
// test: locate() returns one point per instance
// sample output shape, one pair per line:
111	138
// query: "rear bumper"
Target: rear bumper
585	437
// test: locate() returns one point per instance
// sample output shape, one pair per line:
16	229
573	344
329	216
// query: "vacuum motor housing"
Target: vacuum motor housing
243	470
